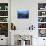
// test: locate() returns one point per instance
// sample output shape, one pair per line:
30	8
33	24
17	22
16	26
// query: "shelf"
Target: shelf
41	19
41	22
42	16
3	22
4	19
41	28
3	10
3	16
41	10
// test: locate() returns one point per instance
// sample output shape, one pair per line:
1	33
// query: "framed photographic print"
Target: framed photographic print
22	14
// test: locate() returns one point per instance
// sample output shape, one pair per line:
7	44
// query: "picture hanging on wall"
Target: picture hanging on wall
23	14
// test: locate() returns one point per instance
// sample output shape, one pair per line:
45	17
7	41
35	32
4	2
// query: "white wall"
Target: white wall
23	24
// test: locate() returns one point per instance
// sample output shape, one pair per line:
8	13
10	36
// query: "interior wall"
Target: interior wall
23	24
